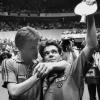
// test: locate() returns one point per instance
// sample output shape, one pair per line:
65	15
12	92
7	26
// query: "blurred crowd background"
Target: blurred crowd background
46	15
41	15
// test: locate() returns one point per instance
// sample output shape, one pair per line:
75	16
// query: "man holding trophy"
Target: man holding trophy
68	86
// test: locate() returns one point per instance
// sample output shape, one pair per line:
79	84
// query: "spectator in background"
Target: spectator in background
15	52
68	52
5	53
93	75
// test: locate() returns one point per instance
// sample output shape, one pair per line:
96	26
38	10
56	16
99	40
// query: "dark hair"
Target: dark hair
65	44
5	55
43	45
24	34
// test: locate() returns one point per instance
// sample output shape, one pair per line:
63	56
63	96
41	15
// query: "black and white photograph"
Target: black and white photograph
49	49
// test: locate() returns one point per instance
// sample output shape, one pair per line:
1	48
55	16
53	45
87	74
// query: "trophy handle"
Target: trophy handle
83	19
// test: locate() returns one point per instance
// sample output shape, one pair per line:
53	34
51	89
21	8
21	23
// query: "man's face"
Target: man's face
30	50
51	54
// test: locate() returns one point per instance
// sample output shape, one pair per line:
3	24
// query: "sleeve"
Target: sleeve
8	73
80	68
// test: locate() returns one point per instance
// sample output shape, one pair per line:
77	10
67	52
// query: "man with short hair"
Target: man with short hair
17	71
69	85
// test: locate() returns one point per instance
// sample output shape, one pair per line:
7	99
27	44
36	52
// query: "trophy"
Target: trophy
85	8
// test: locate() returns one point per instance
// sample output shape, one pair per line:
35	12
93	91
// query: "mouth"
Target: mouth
52	60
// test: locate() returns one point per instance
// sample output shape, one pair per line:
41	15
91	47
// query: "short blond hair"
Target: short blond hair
24	34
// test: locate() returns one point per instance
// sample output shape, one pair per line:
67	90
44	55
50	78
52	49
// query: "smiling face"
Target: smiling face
51	54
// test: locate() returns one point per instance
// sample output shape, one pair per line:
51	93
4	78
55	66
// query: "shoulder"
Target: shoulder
9	64
10	61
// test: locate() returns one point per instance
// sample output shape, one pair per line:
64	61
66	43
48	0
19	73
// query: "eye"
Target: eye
46	53
54	51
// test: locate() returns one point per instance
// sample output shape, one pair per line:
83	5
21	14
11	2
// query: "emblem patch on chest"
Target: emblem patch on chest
22	76
61	78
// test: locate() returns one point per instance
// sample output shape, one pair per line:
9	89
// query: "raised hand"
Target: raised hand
90	2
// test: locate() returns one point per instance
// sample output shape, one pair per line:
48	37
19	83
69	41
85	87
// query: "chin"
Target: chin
52	60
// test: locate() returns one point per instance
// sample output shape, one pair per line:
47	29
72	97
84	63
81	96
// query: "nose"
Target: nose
50	55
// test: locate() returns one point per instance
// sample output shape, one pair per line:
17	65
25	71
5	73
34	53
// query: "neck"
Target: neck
25	60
